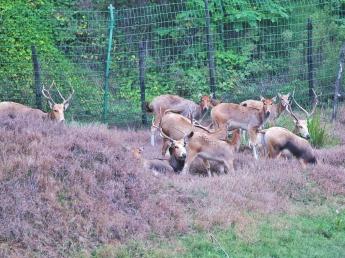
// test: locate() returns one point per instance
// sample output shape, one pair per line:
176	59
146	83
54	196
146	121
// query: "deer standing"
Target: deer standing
235	116
185	107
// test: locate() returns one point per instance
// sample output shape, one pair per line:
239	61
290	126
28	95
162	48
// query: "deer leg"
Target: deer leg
153	130
252	141
272	152
229	165
190	157
207	166
301	161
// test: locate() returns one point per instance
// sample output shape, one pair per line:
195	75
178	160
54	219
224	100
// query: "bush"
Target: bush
319	136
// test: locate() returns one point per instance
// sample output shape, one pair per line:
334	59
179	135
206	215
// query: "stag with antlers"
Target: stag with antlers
301	125
57	110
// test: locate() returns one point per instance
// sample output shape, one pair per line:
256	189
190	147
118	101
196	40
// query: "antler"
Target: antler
46	93
69	97
163	135
315	103
289	110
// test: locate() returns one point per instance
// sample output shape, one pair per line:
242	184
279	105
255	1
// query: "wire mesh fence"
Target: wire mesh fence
239	49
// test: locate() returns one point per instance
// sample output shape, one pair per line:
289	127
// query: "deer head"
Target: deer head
267	105
301	125
57	110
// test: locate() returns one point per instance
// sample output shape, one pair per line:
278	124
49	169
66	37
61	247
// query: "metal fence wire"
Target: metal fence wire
117	58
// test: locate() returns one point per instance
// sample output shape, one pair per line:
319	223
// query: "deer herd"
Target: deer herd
179	123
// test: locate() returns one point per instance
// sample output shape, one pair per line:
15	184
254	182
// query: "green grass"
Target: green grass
276	236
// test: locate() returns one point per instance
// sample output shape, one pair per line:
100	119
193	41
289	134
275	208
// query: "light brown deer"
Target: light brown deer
235	116
202	145
277	109
56	113
177	126
278	139
301	125
185	107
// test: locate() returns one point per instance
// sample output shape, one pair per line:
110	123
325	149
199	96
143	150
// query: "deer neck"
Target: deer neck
261	116
50	115
280	108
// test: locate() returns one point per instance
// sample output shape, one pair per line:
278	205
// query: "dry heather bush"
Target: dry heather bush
63	188
66	188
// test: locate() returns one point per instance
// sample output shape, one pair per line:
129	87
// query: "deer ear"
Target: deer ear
279	95
262	98
288	95
274	98
65	106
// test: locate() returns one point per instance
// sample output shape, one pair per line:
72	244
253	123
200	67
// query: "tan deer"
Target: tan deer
177	126
185	107
235	116
301	125
278	139
202	145
277	109
57	110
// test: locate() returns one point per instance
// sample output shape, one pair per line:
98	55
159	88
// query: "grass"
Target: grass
276	236
75	189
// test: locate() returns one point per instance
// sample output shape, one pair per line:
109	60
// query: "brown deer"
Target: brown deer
185	107
235	116
301	125
57	110
278	139
207	148
277	109
176	126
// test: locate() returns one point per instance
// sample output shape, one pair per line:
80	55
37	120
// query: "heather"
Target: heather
70	188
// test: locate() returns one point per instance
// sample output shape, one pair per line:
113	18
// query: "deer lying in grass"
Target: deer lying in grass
278	139
57	110
277	109
185	107
176	126
208	149
235	116
301	125
156	166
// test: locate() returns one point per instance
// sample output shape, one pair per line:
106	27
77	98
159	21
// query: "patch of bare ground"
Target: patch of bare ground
67	187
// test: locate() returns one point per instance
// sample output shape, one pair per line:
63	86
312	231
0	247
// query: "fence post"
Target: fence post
338	82
142	47
210	51
107	65
310	60
37	77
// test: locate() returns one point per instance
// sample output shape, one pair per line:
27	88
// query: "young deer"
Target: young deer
235	116
156	166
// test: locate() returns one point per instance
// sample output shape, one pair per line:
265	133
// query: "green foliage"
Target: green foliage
318	135
260	48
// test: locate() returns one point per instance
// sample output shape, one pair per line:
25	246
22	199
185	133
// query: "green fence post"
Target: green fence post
107	65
